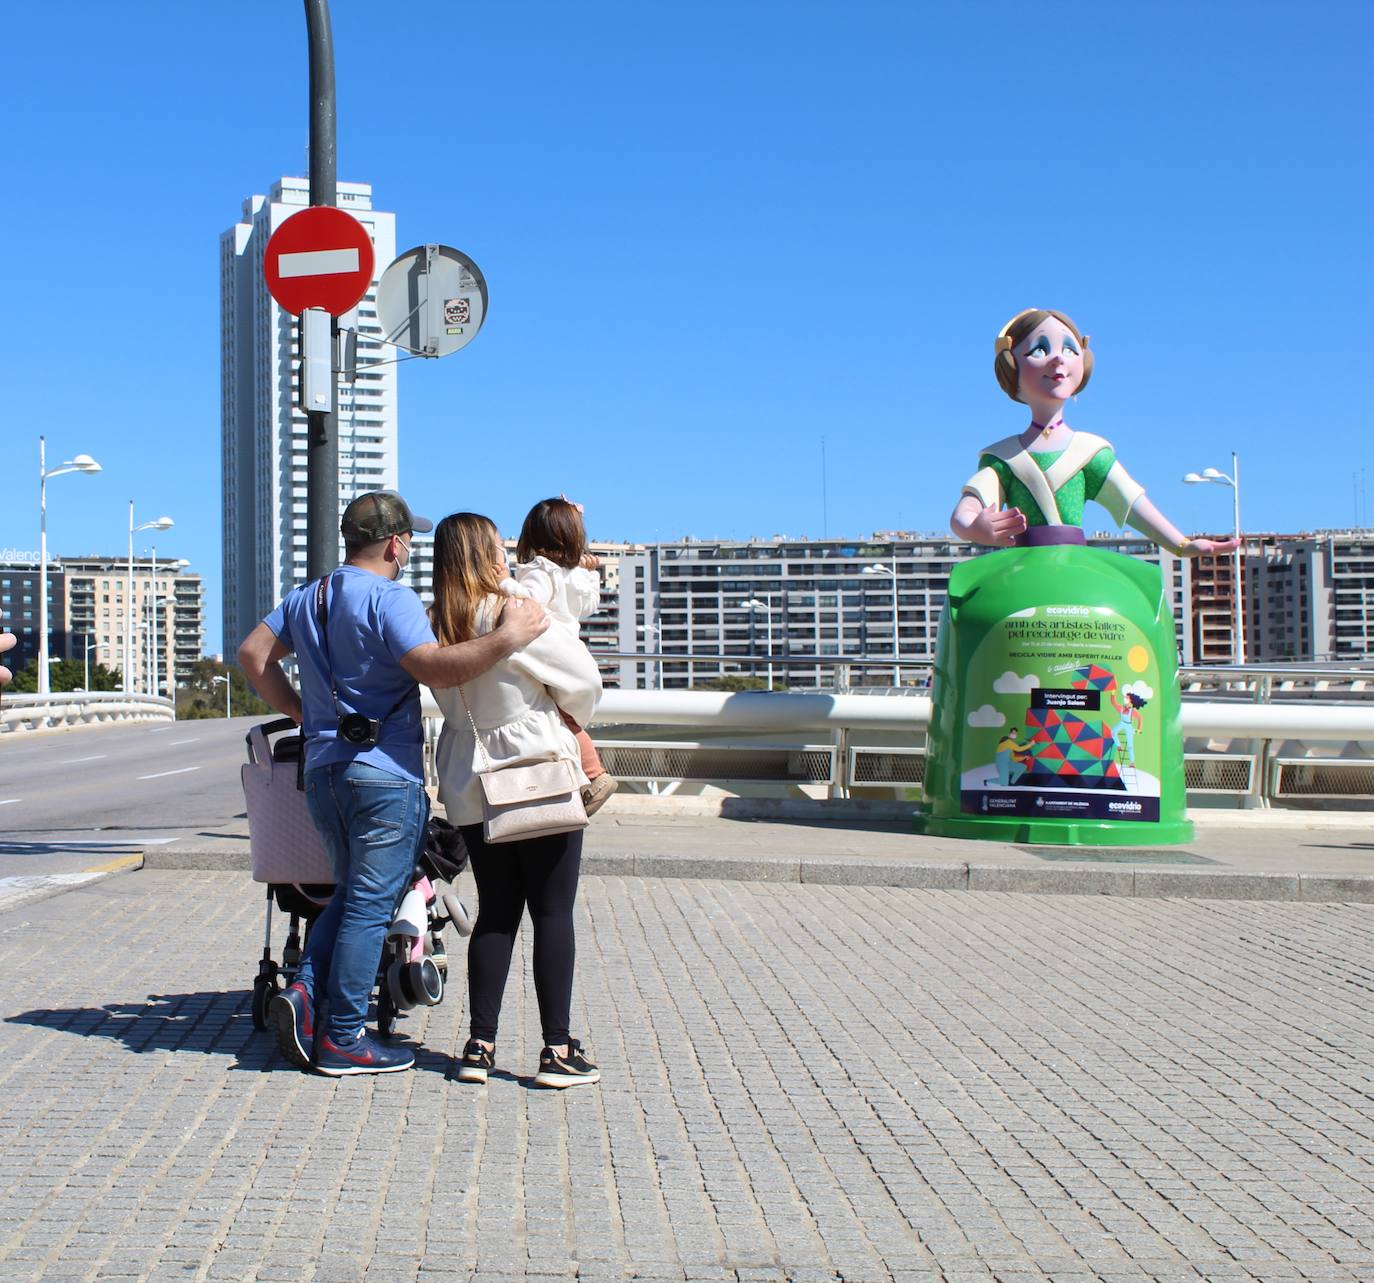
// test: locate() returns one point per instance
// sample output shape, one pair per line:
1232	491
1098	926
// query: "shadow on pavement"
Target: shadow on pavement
216	1024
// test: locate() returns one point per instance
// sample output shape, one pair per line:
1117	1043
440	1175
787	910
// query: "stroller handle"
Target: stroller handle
256	739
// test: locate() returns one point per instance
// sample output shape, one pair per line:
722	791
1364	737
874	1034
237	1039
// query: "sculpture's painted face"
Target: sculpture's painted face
1049	363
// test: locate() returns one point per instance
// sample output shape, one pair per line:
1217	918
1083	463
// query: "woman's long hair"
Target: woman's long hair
465	574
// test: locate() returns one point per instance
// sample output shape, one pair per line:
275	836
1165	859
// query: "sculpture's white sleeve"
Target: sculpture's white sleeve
986	486
1120	493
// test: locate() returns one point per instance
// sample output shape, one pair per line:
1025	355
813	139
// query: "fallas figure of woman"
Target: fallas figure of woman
1030	489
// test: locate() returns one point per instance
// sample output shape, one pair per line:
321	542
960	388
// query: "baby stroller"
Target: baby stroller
289	857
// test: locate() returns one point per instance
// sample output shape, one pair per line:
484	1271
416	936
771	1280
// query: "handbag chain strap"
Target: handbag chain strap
476	734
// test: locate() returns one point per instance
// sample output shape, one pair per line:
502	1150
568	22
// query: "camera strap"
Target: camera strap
322	620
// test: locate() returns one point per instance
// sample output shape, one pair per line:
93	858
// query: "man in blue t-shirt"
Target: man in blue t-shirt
362	642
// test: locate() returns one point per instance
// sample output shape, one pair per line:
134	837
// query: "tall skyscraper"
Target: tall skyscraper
263	430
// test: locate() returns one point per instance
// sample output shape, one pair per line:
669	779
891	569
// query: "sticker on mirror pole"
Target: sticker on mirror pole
432	300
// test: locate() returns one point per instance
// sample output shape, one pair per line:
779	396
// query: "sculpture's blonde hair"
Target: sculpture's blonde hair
1004	362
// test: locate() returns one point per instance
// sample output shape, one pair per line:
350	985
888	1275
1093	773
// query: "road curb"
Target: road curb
929	875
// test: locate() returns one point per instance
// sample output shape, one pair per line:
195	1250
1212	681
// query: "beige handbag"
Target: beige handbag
528	799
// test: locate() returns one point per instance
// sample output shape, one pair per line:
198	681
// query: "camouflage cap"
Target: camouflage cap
377	514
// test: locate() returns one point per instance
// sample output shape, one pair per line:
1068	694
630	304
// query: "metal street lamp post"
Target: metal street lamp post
658	634
753	605
228	687
877	569
161	523
1216	477
90	646
82	463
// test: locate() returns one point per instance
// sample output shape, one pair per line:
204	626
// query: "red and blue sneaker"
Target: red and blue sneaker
364	1055
294	1016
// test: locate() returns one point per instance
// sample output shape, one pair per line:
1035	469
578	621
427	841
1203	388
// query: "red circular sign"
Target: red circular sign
321	257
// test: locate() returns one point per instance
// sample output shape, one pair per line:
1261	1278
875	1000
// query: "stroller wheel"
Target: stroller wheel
415	984
396	987
263	991
427	982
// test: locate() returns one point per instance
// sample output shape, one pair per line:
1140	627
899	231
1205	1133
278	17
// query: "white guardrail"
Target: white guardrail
80	708
875	744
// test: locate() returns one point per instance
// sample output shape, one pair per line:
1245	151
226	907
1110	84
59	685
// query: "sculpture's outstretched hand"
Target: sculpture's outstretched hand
1202	547
996	528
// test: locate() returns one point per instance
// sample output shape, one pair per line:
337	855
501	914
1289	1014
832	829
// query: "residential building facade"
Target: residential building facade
167	604
89	604
834	601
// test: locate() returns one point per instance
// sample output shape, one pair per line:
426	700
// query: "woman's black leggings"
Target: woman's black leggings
541	873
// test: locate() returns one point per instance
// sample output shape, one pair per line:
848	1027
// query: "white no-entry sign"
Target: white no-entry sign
321	257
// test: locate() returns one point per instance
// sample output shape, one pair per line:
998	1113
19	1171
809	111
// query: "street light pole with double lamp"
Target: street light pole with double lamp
877	569
753	605
1216	477
161	523
82	463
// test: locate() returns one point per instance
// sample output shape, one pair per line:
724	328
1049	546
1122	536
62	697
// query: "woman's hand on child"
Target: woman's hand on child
589	562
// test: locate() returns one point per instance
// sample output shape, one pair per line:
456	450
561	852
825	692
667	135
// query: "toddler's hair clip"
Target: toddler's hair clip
565	499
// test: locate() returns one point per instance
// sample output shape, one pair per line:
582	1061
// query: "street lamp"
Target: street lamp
90	646
1216	477
658	633
228	687
754	605
877	569
82	463
161	523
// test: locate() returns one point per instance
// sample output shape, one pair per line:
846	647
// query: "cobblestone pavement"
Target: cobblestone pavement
799	1082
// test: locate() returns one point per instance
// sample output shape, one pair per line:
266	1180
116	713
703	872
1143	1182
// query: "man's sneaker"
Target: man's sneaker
294	1016
598	793
364	1055
572	1070
477	1062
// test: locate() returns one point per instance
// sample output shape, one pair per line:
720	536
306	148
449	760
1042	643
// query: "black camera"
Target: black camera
359	730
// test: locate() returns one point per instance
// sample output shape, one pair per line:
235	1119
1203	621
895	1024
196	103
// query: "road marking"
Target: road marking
320	262
157	775
174	743
72	761
9	801
113	866
16	890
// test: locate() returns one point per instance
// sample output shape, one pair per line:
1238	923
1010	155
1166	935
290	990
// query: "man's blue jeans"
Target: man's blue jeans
372	823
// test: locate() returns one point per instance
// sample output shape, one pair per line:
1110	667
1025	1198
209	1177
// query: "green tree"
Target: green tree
65	675
738	682
202	696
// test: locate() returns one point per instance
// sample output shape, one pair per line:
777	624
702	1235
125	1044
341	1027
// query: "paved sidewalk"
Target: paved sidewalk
1271	854
801	1082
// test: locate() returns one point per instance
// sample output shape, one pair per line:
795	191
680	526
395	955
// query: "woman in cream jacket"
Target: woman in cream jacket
515	709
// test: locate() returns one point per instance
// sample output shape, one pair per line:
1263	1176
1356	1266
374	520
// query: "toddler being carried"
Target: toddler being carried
554	567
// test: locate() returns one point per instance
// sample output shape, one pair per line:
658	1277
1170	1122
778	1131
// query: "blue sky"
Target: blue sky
714	235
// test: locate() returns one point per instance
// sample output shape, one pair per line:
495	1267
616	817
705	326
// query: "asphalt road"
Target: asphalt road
73	800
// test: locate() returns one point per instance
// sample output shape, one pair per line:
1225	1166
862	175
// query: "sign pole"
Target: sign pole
322	458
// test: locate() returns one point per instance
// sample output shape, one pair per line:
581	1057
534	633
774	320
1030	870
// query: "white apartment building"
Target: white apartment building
166	605
263	430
